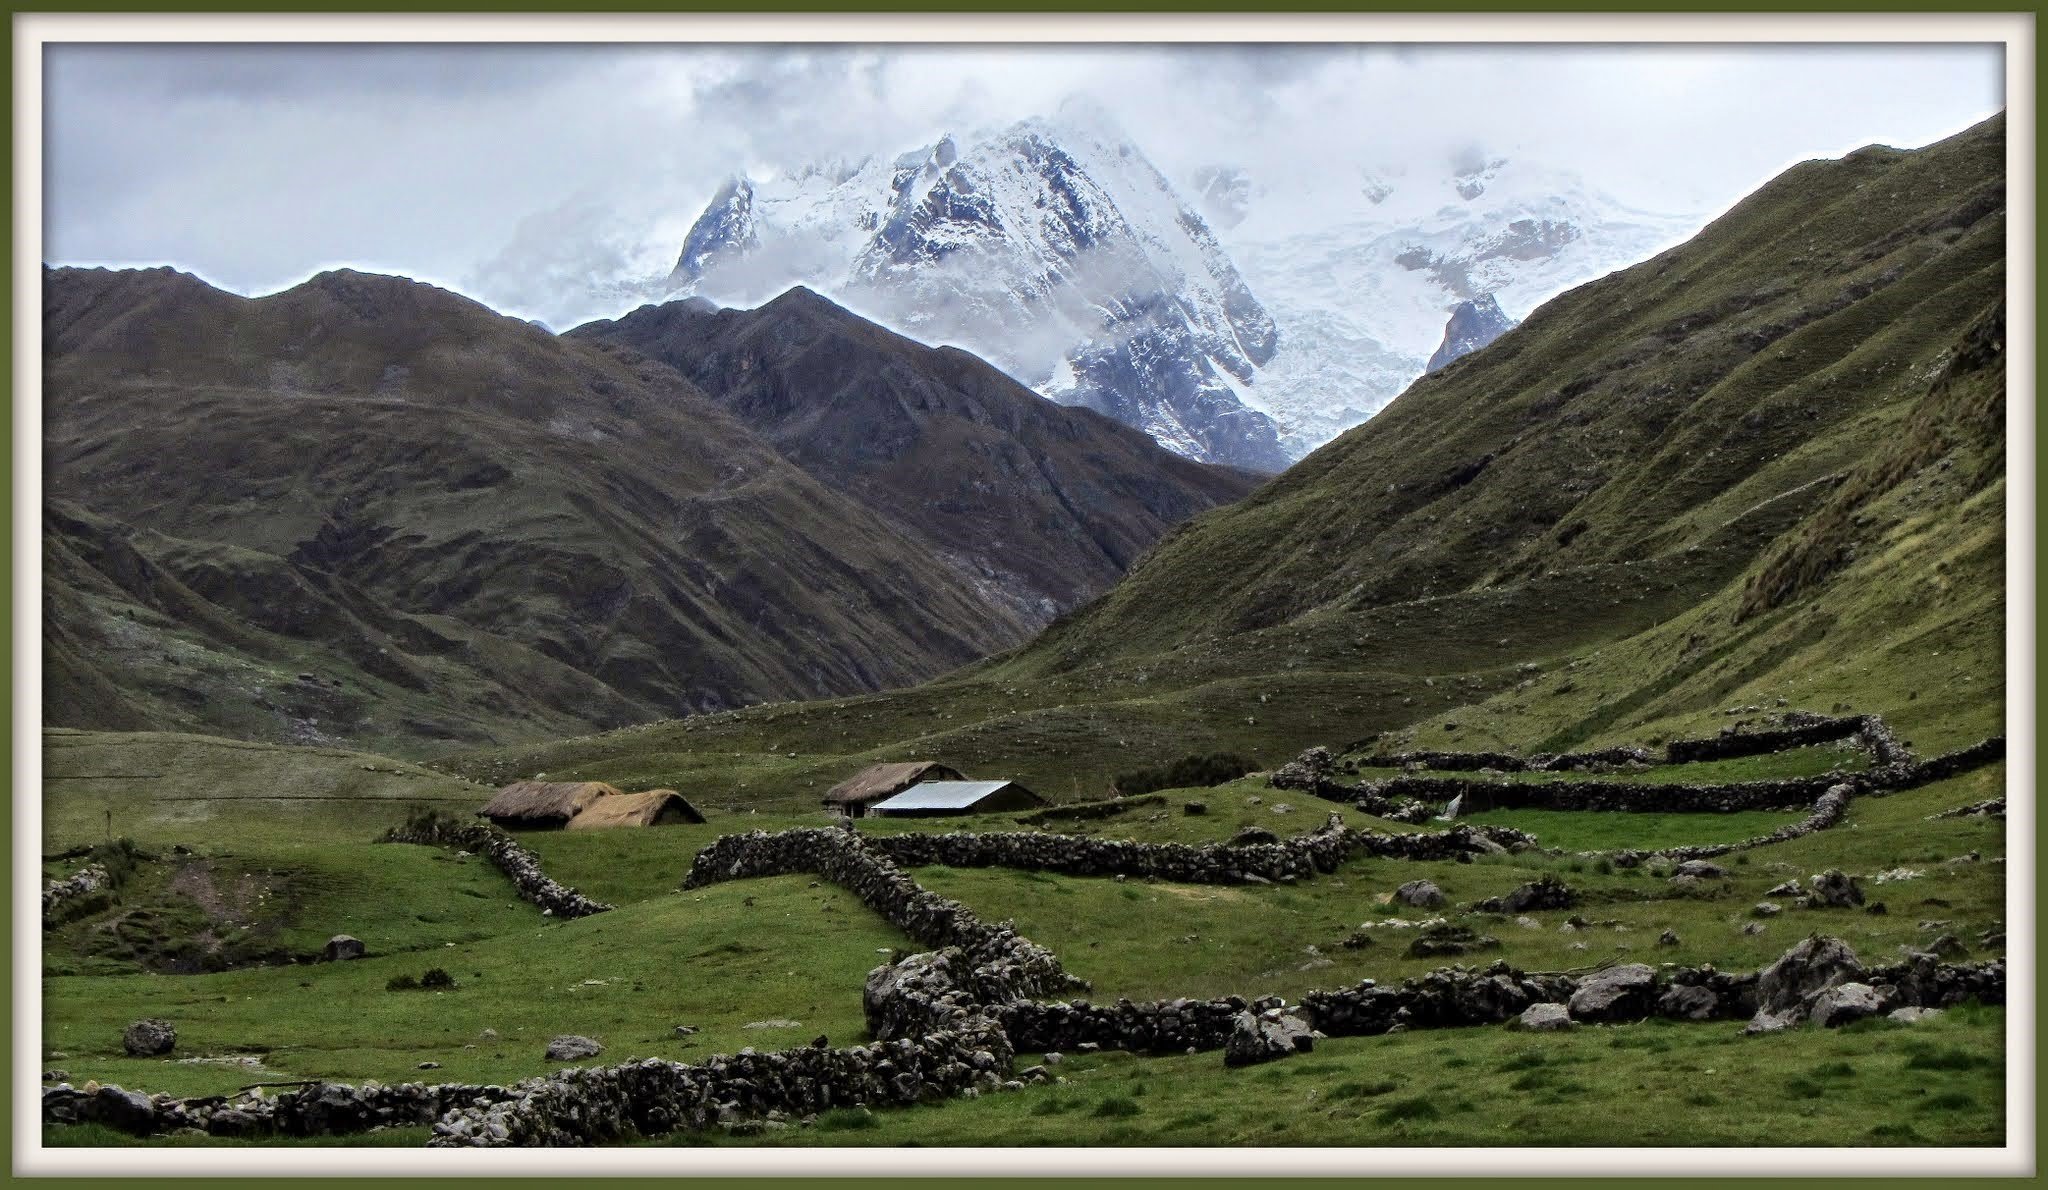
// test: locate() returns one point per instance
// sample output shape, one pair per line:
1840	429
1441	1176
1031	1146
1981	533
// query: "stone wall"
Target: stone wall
1639	796
1803	729
1466	762
521	866
60	894
1006	964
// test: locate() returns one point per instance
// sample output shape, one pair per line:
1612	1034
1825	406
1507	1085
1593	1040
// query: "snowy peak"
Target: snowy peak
1473	325
725	230
1057	251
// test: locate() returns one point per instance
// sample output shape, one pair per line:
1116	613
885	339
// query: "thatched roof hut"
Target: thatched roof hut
878	781
656	807
544	805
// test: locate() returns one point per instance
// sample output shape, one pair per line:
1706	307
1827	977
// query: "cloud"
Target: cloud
255	165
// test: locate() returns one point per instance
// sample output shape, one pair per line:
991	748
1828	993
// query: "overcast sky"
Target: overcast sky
255	166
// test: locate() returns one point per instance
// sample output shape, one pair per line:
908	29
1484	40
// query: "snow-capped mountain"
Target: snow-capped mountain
1361	278
1473	325
1243	317
1057	252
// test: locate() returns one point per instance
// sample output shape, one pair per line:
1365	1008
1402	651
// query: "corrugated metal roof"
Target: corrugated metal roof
941	795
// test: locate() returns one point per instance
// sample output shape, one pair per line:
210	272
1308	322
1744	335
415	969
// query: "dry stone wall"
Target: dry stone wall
1321	850
521	866
58	895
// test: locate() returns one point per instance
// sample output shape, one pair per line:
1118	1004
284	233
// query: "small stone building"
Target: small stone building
877	782
933	798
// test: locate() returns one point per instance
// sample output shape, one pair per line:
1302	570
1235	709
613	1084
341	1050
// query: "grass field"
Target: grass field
793	949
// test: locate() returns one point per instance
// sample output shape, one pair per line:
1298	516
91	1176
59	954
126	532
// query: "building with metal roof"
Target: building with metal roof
932	798
878	782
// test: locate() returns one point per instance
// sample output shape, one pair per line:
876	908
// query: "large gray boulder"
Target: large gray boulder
1623	993
571	1047
1688	1002
1847	1002
1264	1036
1702	869
1817	963
1420	894
341	947
1544	1018
148	1038
130	1111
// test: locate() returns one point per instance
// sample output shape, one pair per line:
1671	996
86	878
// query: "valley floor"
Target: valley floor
773	963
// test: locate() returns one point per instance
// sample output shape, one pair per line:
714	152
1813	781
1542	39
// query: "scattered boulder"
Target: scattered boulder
1420	894
1544	1018
685	1030
1767	909
1846	1002
342	947
1444	938
1834	889
1253	835
148	1038
1948	946
1791	888
1668	938
1623	993
1913	1015
1701	869
1547	893
571	1047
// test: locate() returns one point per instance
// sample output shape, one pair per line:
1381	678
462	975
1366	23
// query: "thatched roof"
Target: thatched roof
878	781
636	809
546	799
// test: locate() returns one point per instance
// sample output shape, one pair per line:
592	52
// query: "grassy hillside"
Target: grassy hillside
1048	504
390	487
1766	465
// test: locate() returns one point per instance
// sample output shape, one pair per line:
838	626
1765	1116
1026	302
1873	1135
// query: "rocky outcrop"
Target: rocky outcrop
1473	324
521	866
